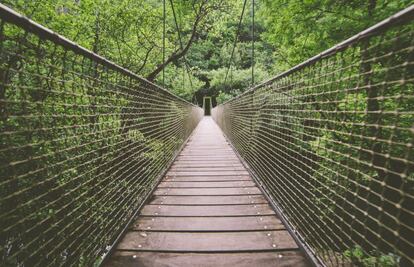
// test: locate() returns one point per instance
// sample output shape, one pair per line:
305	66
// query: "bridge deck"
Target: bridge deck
207	211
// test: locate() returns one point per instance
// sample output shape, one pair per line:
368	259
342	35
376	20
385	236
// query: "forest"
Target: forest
87	127
199	39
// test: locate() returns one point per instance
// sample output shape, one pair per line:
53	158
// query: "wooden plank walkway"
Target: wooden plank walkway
207	211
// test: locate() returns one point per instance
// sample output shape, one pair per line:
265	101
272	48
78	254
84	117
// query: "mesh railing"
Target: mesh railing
331	142
82	143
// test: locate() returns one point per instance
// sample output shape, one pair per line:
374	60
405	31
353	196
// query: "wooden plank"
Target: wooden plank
203	178
207	191
206	173
200	224
222	153
178	184
157	259
208	242
208	200
206	165
207	203
207	160
196	168
216	210
196	146
212	153
197	171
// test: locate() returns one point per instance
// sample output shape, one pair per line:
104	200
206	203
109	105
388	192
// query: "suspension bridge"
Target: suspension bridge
99	166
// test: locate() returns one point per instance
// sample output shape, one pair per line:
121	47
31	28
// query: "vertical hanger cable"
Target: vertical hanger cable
253	28
163	42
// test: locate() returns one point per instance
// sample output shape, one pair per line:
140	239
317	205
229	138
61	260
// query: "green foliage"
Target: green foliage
223	97
81	146
130	33
113	117
238	80
136	136
184	83
359	258
301	29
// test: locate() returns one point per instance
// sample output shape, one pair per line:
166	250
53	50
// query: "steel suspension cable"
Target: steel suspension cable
181	43
253	25
163	40
235	40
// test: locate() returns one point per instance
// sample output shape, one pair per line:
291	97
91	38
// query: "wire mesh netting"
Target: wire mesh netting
331	142
83	142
